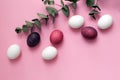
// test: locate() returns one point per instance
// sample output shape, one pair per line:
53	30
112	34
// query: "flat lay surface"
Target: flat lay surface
77	58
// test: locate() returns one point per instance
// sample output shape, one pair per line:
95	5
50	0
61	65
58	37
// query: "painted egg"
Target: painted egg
49	53
76	21
13	51
105	22
89	32
56	37
33	39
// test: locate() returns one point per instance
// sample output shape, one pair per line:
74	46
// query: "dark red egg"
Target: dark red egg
89	32
56	37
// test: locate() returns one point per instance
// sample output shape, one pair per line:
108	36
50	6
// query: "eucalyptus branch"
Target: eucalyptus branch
37	22
53	12
95	8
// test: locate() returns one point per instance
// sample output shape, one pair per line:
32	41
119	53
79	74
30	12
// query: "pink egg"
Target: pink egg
56	37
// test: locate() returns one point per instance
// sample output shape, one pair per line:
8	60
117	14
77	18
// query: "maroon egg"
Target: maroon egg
56	37
89	32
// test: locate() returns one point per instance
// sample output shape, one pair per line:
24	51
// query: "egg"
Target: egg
49	53
105	22
13	51
89	32
76	21
56	37
33	39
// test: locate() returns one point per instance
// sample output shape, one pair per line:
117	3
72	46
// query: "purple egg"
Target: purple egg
33	39
89	32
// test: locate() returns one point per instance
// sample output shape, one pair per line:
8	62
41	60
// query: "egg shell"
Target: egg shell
56	37
89	32
76	21
33	39
13	51
49	53
105	22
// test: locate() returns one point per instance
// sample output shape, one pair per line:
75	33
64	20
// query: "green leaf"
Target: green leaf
18	30
72	1
29	24
37	23
74	5
66	11
93	16
94	12
96	6
90	3
62	2
42	16
52	11
50	2
24	28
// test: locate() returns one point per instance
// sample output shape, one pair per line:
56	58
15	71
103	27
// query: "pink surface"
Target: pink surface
78	58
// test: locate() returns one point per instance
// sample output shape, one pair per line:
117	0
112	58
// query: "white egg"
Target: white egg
76	21
105	22
49	53
13	51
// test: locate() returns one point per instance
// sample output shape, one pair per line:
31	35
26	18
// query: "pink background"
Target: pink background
78	59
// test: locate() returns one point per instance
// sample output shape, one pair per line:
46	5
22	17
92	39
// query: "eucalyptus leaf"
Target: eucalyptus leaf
24	28
74	5
29	24
62	2
65	10
50	2
94	12
18	30
96	6
42	16
52	11
37	23
72	0
90	3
